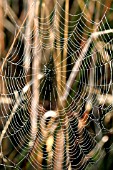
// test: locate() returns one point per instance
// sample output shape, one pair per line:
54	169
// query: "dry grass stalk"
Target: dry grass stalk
11	14
42	22
57	54
2	44
28	40
35	142
59	151
36	84
49	29
97	15
64	63
5	100
9	26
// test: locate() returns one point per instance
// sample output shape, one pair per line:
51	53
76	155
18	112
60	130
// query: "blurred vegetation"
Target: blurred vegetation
39	131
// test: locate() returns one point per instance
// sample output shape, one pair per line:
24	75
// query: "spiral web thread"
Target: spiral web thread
41	132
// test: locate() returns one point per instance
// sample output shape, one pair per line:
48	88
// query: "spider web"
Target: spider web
34	126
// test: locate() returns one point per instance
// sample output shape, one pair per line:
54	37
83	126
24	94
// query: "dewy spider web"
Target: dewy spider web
39	131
